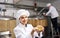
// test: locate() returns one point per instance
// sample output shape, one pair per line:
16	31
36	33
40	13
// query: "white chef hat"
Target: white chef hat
49	4
22	12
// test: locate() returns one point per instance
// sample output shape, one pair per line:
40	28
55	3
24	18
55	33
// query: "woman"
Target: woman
23	30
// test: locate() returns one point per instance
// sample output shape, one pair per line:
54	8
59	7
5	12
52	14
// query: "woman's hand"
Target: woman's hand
38	28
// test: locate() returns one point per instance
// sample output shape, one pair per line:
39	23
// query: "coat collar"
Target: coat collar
21	25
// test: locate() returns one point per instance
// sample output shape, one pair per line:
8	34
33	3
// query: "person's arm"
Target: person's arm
49	11
34	29
19	34
32	32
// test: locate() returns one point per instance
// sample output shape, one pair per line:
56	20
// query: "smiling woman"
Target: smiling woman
23	29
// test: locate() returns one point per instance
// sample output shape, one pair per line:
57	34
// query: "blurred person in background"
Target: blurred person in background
24	30
54	15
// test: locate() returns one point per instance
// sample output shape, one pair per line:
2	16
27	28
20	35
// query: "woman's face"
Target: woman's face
23	19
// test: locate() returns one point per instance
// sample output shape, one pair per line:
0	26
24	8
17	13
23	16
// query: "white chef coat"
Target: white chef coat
36	35
53	12
23	32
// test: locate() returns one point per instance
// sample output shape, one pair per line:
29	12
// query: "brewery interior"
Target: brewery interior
9	8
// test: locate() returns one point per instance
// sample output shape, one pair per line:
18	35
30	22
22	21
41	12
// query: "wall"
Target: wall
12	10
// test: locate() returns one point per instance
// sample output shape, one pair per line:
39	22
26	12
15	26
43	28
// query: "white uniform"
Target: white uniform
53	12
23	32
36	35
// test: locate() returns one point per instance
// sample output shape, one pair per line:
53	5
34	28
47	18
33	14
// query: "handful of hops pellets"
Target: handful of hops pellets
40	28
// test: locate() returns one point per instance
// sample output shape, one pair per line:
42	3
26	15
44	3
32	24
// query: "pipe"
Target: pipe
39	14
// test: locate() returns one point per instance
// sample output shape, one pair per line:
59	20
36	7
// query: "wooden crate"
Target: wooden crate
8	25
35	22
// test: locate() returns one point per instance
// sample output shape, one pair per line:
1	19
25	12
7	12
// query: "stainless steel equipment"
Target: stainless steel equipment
5	34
